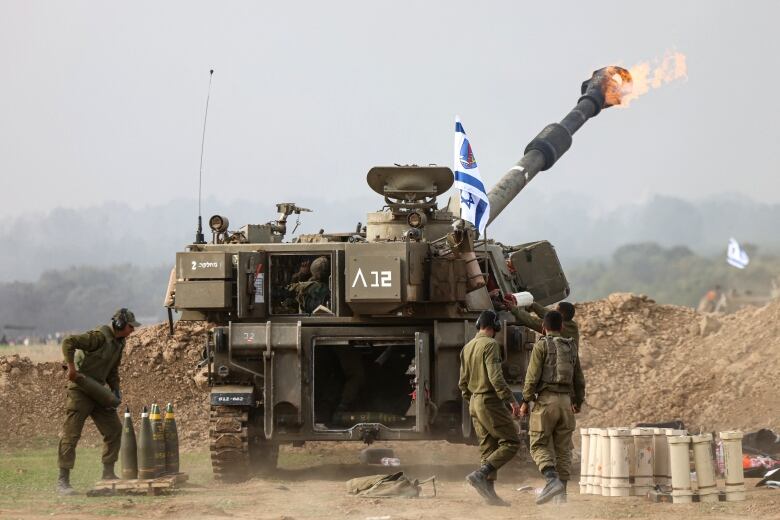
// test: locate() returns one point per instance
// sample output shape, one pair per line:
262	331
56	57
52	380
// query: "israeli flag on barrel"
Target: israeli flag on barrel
474	205
736	256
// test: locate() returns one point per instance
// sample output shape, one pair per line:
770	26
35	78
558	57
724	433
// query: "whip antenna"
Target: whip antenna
199	234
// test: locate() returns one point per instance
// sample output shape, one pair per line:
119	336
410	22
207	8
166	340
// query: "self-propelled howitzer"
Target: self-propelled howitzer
356	336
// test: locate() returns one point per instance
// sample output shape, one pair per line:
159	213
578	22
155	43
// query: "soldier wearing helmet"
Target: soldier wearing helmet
315	291
482	384
96	354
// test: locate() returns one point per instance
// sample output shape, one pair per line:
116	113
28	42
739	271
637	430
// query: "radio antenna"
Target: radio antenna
199	239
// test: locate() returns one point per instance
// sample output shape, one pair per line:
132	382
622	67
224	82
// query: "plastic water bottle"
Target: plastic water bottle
390	461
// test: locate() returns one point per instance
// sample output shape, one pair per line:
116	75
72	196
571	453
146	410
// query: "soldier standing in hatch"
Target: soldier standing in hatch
555	382
482	384
96	354
570	328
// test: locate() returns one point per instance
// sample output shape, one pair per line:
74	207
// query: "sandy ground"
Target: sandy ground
293	497
643	362
310	489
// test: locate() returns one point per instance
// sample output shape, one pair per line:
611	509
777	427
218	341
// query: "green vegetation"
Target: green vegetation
673	275
81	297
28	478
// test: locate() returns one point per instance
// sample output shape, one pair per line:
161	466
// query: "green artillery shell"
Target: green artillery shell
159	440
171	441
128	451
100	393
146	468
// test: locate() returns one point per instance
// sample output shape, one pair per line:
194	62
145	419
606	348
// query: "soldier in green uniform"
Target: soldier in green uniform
96	354
555	382
570	328
482	384
315	291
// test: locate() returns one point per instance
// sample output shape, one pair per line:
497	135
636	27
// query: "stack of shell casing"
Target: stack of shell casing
623	462
156	450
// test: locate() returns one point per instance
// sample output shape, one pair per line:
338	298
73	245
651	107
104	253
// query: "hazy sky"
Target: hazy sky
103	101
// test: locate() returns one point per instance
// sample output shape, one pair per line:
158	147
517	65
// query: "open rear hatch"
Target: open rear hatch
370	381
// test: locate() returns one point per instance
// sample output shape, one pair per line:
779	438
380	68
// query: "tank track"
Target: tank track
229	442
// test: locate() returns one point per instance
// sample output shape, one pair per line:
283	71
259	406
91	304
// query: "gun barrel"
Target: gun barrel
604	89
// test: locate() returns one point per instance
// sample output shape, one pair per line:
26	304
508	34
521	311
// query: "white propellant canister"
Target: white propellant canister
584	455
595	450
735	475
593	478
680	466
643	460
660	457
606	462
705	470
523	299
621	444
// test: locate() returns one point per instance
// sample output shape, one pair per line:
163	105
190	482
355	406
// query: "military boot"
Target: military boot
561	499
495	500
108	472
553	488
63	483
478	480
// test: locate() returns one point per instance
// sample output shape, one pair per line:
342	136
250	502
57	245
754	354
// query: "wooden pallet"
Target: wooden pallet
150	486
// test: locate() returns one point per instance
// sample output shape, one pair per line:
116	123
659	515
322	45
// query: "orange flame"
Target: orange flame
647	75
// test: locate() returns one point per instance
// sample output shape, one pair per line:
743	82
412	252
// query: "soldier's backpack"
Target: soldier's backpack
387	486
560	359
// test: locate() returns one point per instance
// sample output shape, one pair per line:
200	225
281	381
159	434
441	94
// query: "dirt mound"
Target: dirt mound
643	362
155	368
646	362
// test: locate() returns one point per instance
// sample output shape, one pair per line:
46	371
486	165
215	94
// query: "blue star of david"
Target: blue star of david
468	202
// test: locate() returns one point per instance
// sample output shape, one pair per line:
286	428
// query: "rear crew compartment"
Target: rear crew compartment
358	381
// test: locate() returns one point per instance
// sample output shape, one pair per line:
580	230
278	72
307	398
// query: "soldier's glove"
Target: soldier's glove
576	408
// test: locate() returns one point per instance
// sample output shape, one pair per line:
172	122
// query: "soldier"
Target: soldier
315	291
96	354
555	381
710	300
483	386
570	328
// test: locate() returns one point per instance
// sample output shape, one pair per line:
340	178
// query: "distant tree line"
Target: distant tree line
82	297
673	275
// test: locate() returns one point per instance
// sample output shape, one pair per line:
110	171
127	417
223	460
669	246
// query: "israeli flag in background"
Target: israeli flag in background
474	205
735	255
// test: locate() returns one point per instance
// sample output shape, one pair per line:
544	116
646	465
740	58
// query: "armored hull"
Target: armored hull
356	336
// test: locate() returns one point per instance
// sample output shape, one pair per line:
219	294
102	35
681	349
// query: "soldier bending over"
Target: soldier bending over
96	354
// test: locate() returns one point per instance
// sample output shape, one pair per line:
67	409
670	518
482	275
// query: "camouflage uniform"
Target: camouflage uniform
482	384
315	292
552	420
96	354
309	295
570	328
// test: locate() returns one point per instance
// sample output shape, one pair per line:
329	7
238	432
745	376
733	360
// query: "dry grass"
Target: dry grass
38	353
